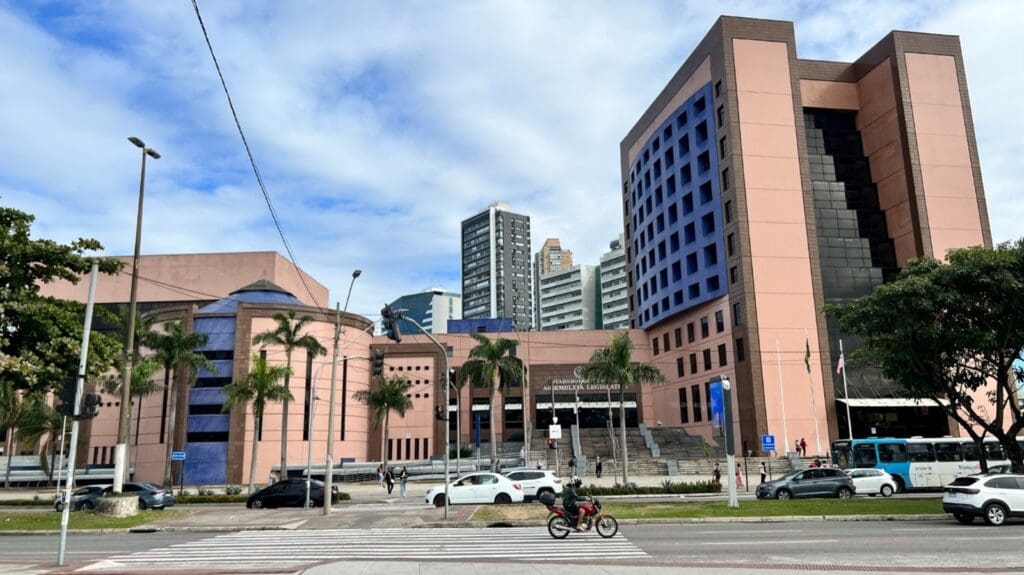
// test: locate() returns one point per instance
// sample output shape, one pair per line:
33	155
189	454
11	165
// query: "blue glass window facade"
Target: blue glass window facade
674	187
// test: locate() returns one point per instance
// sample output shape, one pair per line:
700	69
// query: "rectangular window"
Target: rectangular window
654	345
680	372
718	88
398	449
707	360
728	212
693	363
725	179
690	337
684	415
730	245
695	394
734	274
723	358
391	449
707	399
737	313
408	441
664	340
948	452
426	447
723	148
719	321
704	329
894	452
741	352
679	337
864	456
920	452
720	115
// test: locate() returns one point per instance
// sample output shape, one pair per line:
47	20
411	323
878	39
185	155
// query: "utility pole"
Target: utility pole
83	359
329	477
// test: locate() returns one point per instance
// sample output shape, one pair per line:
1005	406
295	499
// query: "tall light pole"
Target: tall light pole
329	474
123	423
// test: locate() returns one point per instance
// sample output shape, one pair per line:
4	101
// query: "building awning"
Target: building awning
891	402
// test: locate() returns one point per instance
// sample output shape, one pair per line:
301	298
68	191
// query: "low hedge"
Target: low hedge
26	502
221	498
666	488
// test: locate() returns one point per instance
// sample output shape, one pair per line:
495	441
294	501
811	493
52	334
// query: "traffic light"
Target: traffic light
439	413
90	406
378	363
67	397
389	323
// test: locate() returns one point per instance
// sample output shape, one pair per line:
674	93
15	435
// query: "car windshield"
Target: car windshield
791	475
86	490
150	487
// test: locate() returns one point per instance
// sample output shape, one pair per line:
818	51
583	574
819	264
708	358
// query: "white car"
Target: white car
873	482
536	482
994	497
477	488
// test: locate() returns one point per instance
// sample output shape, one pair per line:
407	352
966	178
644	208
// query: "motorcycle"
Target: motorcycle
561	522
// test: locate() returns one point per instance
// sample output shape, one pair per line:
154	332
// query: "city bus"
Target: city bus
918	462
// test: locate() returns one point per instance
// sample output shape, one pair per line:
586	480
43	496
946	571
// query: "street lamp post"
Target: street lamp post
313	398
124	416
329	476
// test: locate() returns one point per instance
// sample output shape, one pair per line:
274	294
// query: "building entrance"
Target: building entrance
592	408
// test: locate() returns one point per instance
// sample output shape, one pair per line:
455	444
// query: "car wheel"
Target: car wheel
964	518
503	499
86	506
844	493
542	491
439	500
783	494
995	514
142	504
887	491
257	504
900	485
59	506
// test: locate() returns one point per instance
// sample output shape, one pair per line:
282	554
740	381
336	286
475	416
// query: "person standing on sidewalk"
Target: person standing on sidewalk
739	477
716	473
764	472
380	474
389	479
598	467
803	447
403	479
572	465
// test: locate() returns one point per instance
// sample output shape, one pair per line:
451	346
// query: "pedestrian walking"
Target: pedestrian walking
764	472
598	467
572	465
389	479
380	474
522	455
403	479
739	478
803	446
796	447
716	473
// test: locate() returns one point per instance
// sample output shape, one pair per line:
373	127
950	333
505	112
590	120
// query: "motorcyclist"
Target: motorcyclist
570	502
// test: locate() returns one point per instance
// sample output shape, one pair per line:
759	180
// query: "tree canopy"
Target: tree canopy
40	337
952	330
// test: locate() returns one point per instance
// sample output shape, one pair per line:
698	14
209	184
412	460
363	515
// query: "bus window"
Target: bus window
920	452
970	451
947	452
864	455
994	451
892	452
842	451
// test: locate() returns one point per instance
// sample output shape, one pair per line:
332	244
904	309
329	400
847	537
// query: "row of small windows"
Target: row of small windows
691	333
693	292
723	360
686	205
701	131
685	174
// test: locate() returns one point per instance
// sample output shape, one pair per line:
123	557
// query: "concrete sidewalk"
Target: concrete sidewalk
606	568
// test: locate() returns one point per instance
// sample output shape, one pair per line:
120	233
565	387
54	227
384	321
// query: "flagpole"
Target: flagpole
782	397
846	391
814	407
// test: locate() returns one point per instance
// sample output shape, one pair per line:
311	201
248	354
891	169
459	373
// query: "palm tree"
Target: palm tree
390	395
613	366
491	363
260	386
176	351
142	385
12	414
287	334
41	426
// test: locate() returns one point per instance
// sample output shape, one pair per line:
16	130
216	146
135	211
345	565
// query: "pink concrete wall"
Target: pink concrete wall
208	276
830	95
783	292
950	199
418	423
883	140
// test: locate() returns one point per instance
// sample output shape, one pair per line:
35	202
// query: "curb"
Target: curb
145	529
696	520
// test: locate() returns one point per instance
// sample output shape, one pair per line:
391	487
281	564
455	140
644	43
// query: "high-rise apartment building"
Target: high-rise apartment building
614	286
496	275
430	308
551	257
570	299
758	187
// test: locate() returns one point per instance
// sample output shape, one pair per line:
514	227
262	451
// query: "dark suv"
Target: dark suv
291	493
809	483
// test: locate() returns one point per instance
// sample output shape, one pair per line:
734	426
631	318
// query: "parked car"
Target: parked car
150	496
291	493
873	482
478	488
815	482
996	498
536	482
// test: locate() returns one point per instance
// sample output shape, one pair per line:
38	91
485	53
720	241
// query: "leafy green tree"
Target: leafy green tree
948	330
40	337
40	427
176	352
260	387
613	365
492	364
387	395
288	334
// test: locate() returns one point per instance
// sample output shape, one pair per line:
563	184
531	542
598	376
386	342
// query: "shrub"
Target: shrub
233	489
667	487
205	491
466	451
209	498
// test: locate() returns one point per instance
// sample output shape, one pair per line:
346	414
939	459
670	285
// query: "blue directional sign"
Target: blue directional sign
177	456
717	401
768	443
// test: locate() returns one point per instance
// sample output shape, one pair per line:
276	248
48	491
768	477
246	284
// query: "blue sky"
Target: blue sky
379	126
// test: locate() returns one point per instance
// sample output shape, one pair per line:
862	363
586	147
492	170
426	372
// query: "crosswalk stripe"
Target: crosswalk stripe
291	548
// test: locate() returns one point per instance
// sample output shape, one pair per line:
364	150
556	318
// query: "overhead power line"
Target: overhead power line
252	160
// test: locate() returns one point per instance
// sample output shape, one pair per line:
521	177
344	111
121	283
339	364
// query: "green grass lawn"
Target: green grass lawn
50	520
756	508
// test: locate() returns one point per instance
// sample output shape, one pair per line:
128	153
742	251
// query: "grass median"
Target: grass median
50	520
711	509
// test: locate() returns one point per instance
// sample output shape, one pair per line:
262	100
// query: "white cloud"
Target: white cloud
379	127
